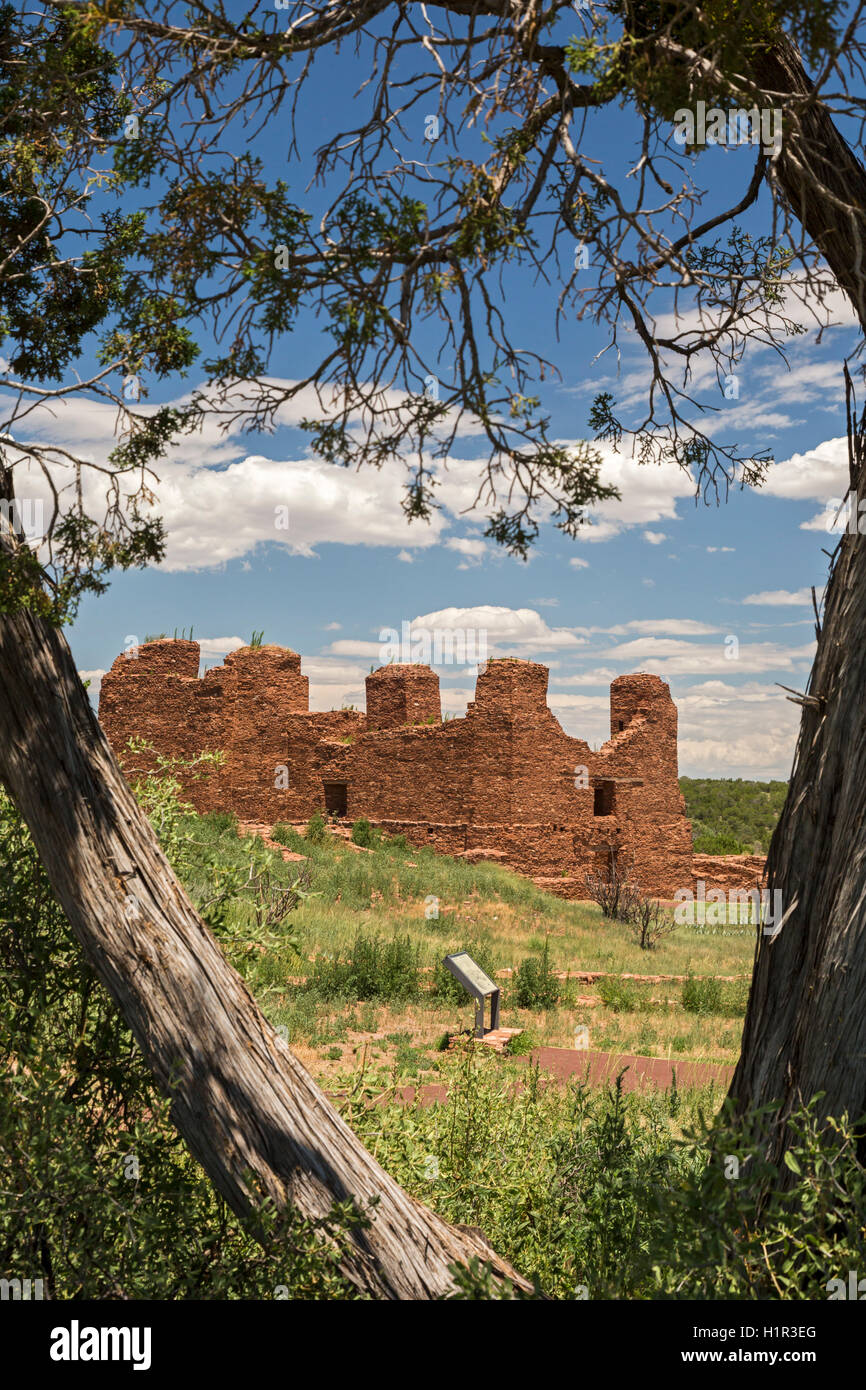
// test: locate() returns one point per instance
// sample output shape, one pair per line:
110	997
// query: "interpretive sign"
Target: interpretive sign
479	985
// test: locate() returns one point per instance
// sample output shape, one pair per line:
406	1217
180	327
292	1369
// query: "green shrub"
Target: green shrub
719	842
534	984
630	1195
617	994
317	829
221	821
702	995
373	969
287	835
363	834
522	1043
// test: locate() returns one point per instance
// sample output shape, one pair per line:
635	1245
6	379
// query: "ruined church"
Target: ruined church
503	783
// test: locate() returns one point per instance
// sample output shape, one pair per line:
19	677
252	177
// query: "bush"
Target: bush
534	984
719	842
614	1191
623	900
613	889
287	835
649	922
617	995
221	821
363	834
522	1044
373	969
702	995
317	829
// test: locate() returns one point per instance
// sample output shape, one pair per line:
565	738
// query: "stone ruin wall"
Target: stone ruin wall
505	782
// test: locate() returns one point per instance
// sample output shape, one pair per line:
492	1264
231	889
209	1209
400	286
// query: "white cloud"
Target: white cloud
505	631
333	627
214	516
406	557
817	475
219	646
671	657
351	646
727	730
522	631
807	310
599	675
464	546
654	537
672	627
577	563
95	678
782	598
648	493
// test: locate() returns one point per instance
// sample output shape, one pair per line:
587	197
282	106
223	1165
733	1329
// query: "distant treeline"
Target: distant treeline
730	816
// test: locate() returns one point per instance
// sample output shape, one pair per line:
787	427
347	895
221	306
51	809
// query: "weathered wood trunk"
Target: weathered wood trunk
820	177
246	1107
805	1029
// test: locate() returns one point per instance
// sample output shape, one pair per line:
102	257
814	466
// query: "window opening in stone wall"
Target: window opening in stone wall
621	725
603	799
336	798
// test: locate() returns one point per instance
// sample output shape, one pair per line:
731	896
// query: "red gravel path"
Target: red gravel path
600	1069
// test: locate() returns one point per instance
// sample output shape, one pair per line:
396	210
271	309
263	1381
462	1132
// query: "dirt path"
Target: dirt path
560	1064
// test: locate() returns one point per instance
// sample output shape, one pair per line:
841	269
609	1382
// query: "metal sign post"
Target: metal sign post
479	985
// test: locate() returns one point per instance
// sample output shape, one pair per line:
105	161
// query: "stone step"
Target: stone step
499	1038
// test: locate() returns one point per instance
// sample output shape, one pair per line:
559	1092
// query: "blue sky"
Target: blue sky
714	599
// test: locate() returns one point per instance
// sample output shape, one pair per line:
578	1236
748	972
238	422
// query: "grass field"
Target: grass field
354	973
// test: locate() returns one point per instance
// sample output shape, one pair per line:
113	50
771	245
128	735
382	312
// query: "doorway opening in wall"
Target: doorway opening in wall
603	803
335	798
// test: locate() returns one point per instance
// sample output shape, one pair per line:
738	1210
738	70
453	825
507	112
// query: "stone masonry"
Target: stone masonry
504	783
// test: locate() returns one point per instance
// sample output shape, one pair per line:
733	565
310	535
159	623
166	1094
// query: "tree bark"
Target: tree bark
820	177
805	1028
246	1107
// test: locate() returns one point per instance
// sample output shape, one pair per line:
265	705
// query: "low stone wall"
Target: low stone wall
729	871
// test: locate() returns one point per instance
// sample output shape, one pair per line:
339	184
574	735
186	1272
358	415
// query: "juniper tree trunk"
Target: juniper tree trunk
247	1108
805	1028
818	174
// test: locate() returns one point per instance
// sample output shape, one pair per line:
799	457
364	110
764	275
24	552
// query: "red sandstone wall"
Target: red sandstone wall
653	813
729	871
506	780
401	695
